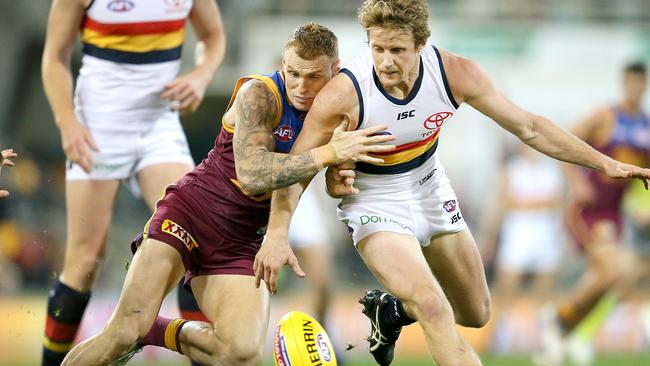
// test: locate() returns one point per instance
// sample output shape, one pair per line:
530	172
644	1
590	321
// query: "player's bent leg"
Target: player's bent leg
604	271
239	313
89	209
152	180
455	261
409	278
155	270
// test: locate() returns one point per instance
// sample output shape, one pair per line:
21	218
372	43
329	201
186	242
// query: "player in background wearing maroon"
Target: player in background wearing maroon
594	216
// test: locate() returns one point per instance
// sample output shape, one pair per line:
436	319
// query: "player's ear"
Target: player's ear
336	66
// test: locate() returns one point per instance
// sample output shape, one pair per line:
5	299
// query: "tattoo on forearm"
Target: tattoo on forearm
253	144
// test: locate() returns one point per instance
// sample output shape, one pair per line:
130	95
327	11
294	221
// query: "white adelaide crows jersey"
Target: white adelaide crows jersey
415	121
132	49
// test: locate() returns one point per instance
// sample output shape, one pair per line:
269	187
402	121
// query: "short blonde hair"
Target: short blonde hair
408	15
311	40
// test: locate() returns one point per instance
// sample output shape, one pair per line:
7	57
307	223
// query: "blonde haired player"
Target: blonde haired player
405	219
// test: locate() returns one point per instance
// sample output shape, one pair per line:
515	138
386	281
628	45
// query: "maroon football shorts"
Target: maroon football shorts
205	248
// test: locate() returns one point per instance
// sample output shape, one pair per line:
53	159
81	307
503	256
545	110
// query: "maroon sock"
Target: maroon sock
165	333
156	335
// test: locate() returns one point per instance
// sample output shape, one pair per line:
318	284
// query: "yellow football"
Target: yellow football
299	340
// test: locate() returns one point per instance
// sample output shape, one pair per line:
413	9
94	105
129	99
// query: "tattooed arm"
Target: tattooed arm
260	169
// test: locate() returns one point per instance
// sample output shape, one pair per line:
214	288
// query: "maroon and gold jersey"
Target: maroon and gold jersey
213	187
629	142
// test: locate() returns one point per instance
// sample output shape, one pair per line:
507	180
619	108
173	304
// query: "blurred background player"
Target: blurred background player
122	125
637	208
521	234
5	160
595	220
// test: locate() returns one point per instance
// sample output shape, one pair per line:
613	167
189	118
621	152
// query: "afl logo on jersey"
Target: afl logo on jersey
175	5
120	6
449	206
435	121
284	133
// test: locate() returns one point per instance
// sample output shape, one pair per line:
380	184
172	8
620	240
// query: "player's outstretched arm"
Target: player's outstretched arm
188	90
260	169
275	251
471	84
5	160
63	26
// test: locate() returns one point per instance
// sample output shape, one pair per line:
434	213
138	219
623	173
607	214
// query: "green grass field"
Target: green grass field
610	360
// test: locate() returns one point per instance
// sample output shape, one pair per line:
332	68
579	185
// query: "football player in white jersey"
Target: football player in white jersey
122	123
404	217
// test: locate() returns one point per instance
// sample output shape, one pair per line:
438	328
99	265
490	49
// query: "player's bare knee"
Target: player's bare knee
82	270
478	316
430	307
241	351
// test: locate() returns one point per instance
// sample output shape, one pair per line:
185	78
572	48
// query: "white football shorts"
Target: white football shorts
530	242
420	202
123	153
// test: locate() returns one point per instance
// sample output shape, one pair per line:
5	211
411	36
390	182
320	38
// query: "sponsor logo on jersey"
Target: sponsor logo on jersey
375	219
284	133
449	206
173	229
435	121
350	230
427	177
120	6
406	114
324	349
455	218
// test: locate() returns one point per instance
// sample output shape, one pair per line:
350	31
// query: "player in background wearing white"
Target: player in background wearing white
525	217
404	218
122	124
5	160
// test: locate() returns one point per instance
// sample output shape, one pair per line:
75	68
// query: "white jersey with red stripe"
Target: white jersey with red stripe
415	121
409	193
131	50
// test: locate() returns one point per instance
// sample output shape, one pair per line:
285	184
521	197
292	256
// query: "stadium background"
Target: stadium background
557	58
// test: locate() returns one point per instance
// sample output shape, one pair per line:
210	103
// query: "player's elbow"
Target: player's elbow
527	131
249	185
